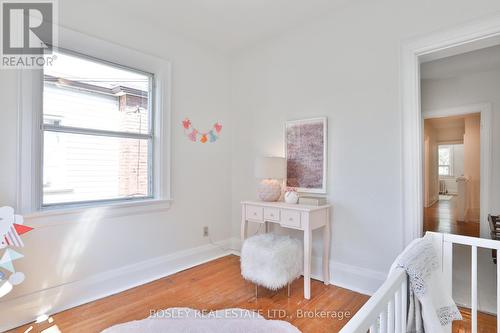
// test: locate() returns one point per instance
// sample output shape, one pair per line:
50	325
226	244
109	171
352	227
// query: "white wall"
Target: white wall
76	251
345	67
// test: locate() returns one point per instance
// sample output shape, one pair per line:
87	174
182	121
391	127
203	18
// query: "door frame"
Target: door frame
485	109
412	52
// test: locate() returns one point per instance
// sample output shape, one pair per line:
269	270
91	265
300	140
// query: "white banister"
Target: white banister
376	307
474	289
386	310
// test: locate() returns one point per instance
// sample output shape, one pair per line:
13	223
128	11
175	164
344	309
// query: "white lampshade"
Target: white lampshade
270	168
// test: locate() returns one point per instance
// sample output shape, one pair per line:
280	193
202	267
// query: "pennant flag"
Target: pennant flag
192	135
12	238
203	138
186	123
213	137
8	257
22	229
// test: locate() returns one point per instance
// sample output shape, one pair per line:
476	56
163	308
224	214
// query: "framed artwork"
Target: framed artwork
306	154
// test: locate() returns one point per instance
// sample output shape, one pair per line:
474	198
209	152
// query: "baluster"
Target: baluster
474	289
398	311
390	317
404	306
383	322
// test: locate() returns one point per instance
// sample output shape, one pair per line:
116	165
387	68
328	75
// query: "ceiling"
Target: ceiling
483	60
225	24
446	122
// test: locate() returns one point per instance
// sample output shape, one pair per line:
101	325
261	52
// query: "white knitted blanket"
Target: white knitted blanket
431	308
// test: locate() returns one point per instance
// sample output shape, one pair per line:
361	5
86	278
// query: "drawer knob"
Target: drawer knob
290	219
272	215
255	213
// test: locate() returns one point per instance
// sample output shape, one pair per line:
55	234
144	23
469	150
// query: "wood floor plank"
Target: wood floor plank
218	285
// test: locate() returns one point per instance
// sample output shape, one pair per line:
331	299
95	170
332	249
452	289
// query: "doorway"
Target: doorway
451	174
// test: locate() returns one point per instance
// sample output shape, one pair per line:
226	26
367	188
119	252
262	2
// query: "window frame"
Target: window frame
30	125
449	166
107	133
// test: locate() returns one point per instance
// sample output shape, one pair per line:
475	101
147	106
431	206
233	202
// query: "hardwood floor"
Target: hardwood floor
217	285
485	323
442	217
211	286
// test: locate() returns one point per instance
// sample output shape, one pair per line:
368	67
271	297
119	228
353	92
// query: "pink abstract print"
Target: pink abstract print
305	154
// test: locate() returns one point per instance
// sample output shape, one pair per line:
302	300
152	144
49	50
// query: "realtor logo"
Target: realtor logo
28	33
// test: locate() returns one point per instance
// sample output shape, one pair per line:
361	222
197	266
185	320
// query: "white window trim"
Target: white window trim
450	166
30	117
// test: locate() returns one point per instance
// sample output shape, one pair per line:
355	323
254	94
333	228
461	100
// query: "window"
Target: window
97	132
445	159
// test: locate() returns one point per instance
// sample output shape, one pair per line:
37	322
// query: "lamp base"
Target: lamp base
269	190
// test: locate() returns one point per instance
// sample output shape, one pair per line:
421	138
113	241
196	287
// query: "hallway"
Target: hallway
441	217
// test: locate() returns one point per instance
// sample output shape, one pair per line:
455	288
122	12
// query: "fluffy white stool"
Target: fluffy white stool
271	261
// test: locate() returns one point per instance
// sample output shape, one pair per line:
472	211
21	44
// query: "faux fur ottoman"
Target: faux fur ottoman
271	261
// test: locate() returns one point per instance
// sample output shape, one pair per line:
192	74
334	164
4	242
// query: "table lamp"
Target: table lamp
271	172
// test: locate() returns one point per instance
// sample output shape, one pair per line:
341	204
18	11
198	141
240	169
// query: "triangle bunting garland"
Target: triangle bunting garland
195	135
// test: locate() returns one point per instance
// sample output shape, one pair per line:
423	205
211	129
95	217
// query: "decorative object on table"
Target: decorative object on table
271	172
174	320
271	261
11	228
306	154
312	200
196	135
291	195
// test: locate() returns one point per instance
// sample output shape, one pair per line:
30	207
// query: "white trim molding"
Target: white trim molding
485	109
452	41
30	120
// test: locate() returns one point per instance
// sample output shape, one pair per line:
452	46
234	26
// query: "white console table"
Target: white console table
299	217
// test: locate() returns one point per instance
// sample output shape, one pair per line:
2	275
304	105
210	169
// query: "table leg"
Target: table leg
326	250
243	230
307	263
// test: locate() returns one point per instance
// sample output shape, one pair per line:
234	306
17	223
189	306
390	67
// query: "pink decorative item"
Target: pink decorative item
193	135
291	195
186	123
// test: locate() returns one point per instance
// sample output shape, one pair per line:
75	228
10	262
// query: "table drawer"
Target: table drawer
271	214
254	213
290	218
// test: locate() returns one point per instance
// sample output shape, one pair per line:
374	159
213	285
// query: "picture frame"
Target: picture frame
306	154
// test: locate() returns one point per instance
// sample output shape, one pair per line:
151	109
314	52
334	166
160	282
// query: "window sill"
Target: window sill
56	216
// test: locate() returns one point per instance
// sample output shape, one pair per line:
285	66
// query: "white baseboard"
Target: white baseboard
24	309
355	278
